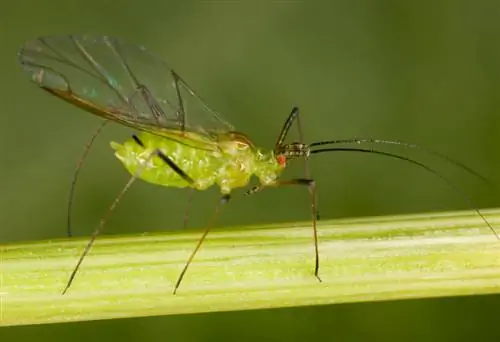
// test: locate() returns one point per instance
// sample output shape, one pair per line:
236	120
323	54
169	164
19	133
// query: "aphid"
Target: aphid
181	141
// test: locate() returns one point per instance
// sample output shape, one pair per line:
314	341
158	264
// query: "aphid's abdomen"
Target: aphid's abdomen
198	164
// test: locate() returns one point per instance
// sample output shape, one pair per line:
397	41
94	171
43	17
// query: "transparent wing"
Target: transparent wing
121	82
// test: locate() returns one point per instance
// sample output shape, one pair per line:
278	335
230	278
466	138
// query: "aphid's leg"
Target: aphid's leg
295	116
166	159
188	207
113	206
310	183
223	200
180	173
77	172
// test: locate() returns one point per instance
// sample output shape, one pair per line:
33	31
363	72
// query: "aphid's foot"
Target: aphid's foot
319	279
252	191
225	199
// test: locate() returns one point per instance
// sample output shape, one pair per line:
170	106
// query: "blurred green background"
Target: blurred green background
425	72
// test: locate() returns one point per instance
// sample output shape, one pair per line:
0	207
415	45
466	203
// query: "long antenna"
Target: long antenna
409	146
425	167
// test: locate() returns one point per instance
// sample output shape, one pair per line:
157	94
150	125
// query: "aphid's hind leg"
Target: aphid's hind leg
113	206
223	200
311	184
167	160
179	172
188	207
79	165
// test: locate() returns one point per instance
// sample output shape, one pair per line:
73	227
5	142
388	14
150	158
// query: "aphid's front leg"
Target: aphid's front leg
311	184
294	116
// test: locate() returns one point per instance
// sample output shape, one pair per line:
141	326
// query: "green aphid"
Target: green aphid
180	142
230	167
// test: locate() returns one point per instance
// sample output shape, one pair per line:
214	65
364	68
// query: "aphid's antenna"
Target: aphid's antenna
425	167
113	206
409	146
79	165
224	199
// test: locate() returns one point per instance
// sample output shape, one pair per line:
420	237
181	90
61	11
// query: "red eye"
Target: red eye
281	159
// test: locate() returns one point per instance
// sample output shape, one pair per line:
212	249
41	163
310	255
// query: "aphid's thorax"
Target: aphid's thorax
237	165
243	161
269	166
236	137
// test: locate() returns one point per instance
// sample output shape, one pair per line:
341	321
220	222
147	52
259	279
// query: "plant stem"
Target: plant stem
364	259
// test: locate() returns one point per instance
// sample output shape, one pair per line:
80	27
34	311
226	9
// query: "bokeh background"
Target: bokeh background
425	72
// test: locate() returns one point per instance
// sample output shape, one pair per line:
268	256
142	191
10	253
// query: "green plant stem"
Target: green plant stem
377	258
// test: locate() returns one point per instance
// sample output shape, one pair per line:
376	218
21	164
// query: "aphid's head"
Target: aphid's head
291	151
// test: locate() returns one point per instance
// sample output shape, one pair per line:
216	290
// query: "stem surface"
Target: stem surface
362	259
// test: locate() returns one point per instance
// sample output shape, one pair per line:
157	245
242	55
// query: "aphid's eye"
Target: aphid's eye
281	159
